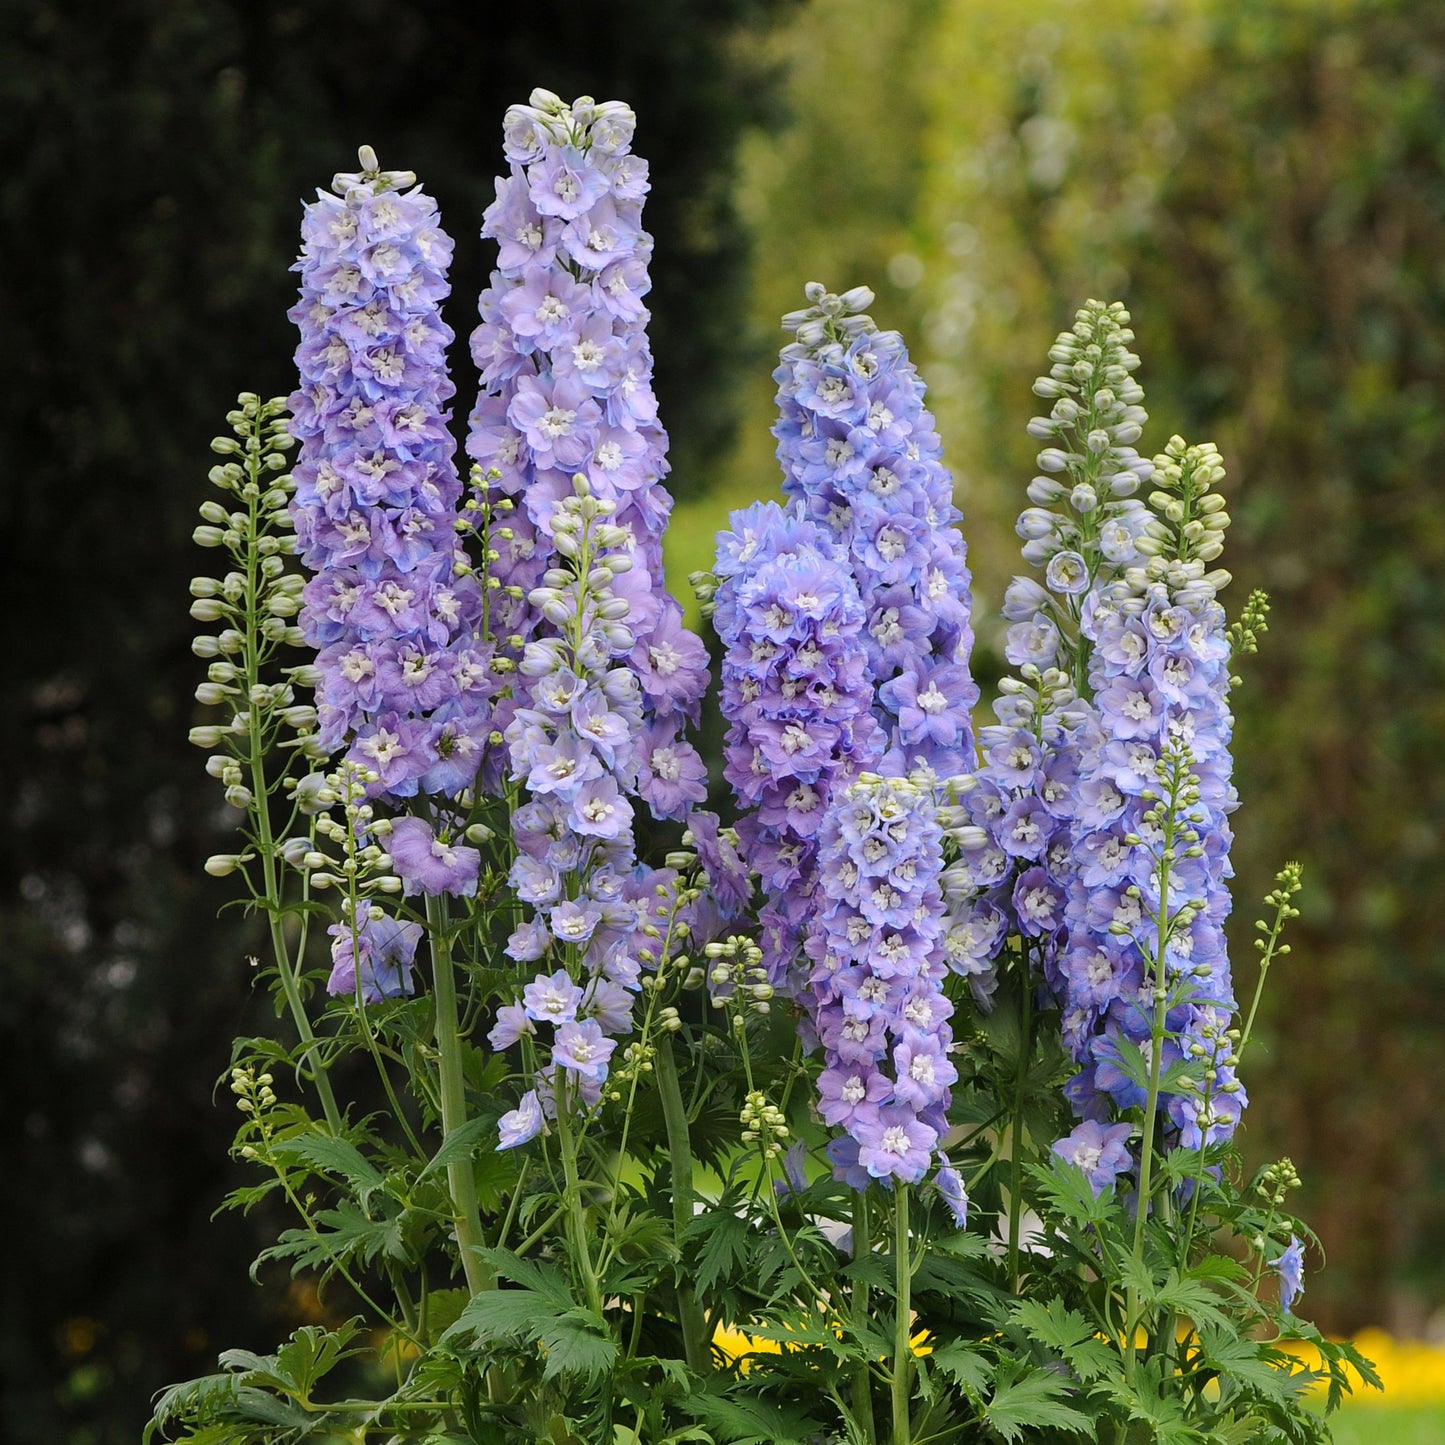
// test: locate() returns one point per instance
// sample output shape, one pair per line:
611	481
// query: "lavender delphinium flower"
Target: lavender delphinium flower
859	451
605	676
386	947
875	991
798	704
1101	1151
1017	861
566	388
1290	1266
392	610
1146	953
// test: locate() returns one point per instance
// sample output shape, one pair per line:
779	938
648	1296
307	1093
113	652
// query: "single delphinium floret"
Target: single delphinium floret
403	684
1081	532
1145	957
566	388
859	451
875	992
1290	1266
797	700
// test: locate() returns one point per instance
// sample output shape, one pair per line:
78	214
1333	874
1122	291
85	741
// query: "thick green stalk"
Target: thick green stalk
679	1147
862	1383
576	1215
1156	1063
1016	1187
461	1181
902	1341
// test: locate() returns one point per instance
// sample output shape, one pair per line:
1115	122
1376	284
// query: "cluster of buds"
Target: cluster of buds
255	1097
764	1124
1189	519
253	602
737	977
354	834
1276	1180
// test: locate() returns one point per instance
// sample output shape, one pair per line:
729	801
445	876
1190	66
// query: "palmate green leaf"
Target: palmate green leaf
747	1420
1249	1363
725	1244
540	1311
312	1353
967	1368
335	1156
341	1234
1033	1400
1188	1295
191	1399
577	1343
1156	1405
575	1340
1059	1328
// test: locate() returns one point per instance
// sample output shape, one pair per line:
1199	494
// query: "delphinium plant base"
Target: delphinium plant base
896	1104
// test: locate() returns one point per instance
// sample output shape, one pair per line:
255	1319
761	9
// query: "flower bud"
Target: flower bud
222	865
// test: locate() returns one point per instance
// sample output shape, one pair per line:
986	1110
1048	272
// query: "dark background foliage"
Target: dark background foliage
156	154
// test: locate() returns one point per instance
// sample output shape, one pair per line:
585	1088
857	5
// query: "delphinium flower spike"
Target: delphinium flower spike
1081	532
876	995
798	703
604	676
859	451
392	609
1150	895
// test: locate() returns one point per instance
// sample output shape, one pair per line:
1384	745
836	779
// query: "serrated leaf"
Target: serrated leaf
725	1239
335	1156
1067	1331
1033	1400
461	1143
577	1343
340	1234
1248	1362
1191	1297
750	1421
965	1367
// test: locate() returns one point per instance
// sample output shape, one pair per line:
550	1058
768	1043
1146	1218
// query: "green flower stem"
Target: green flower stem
902	1344
576	1215
862	1383
679	1147
1016	1187
461	1181
1156	1063
315	1068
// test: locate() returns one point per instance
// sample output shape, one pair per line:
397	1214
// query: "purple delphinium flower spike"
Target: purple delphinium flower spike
875	992
797	701
404	685
604	676
859	451
1160	676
